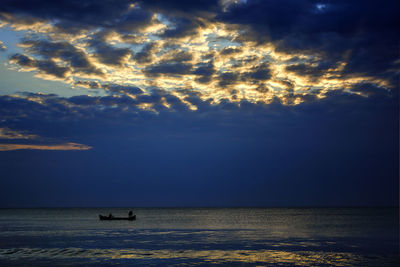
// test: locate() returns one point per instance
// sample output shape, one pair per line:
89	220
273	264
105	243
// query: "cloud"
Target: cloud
75	58
261	72
2	46
146	54
65	146
108	54
23	60
182	8
228	78
24	112
256	48
114	88
205	71
182	27
6	133
124	89
359	33
168	69
69	15
13	135
135	19
177	56
230	51
47	67
313	71
111	55
88	84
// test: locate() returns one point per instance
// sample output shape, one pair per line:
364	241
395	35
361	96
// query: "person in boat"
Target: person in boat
110	215
130	214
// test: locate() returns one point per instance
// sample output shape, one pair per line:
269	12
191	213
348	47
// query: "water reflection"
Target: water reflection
269	257
309	237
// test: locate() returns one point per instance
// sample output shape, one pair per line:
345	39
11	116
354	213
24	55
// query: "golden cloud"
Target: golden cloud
214	43
64	146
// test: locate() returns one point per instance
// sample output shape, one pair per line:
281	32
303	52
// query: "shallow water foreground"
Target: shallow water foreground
201	236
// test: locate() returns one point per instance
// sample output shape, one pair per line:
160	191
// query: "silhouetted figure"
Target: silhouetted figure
110	215
130	213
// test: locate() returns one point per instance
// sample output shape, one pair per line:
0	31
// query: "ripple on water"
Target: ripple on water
269	257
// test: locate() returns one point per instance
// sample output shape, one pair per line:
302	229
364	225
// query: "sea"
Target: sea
200	237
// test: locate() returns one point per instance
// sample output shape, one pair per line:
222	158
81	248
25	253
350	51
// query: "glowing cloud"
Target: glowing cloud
208	50
64	146
6	133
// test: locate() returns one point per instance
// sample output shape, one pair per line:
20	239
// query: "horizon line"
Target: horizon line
201	207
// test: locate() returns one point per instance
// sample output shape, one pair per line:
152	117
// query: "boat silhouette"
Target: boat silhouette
112	218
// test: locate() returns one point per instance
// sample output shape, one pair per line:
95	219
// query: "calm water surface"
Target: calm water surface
201	236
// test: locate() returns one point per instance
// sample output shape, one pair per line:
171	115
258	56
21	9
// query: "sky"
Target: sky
199	103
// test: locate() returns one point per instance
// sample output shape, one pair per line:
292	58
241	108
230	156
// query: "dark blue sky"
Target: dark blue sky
199	103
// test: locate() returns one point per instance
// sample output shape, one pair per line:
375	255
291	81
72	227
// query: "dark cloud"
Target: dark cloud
313	71
131	21
88	84
146	54
109	54
208	56
361	33
173	56
205	71
374	55
48	67
182	27
168	69
243	62
84	100
153	98
51	68
345	18
23	60
74	57
133	90
288	84
182	8
69	15
175	103
134	20
255	75
75	17
267	16
179	56
261	72
230	51
334	102
115	88
228	78
262	89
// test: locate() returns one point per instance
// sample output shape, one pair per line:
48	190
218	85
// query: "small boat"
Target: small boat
112	218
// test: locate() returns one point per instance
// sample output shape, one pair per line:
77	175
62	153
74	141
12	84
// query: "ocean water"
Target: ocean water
201	236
